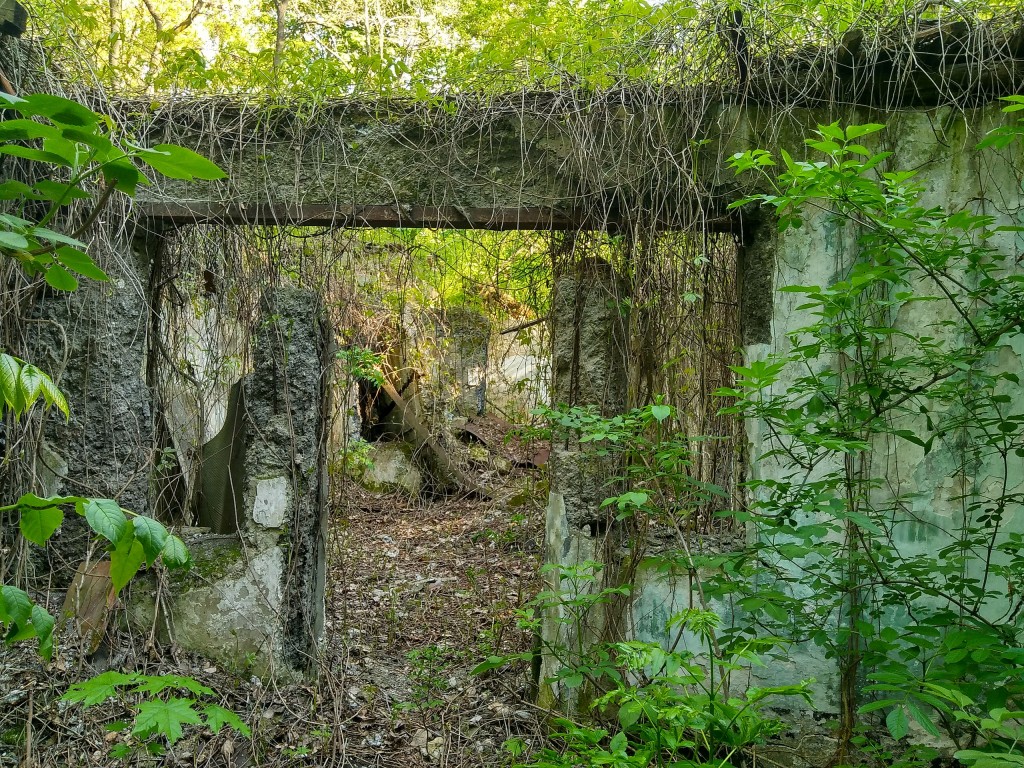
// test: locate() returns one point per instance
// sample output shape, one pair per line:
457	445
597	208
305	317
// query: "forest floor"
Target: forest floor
419	592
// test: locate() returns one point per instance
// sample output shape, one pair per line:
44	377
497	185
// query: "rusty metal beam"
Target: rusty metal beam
161	215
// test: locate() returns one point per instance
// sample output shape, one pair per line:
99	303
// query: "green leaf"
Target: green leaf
151	535
661	412
106	518
125	560
179	163
492	662
856	131
60	279
123	175
42	233
98	689
629	713
38	155
38	525
154	684
17	190
10	391
43	623
175	553
89	138
53	396
164	718
13	240
58	109
922	718
30	382
15	605
217	717
572	680
618	743
896	722
23	129
80	262
979	759
777	612
60	193
880	704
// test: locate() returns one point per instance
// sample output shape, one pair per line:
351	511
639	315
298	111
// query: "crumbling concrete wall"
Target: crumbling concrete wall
465	334
940	146
93	343
589	368
254	599
518	372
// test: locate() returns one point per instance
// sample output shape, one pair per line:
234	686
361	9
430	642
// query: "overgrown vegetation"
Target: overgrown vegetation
431	50
926	635
72	150
917	609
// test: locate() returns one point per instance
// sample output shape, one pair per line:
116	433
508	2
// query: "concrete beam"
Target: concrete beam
558	161
562	162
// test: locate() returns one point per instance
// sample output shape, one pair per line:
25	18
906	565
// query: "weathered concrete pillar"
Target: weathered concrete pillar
255	598
589	367
93	343
285	485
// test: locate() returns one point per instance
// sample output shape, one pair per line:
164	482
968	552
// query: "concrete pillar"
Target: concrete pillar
469	333
93	343
285	463
589	367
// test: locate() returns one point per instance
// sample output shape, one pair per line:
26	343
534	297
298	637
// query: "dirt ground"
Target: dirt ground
419	592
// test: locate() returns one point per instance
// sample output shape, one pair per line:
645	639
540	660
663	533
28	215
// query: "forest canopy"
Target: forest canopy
439	48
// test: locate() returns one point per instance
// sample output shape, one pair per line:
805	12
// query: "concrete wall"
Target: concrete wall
940	146
255	598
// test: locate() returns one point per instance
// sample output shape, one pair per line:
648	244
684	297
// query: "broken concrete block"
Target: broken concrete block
391	469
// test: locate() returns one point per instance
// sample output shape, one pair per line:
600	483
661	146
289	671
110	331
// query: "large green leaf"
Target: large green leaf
98	689
89	138
15	605
13	240
164	718
106	518
60	193
155	684
59	278
17	190
217	717
175	553
896	722
38	155
42	623
58	109
53	396
125	560
30	381
80	262
38	524
180	163
151	535
42	233
123	175
26	130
